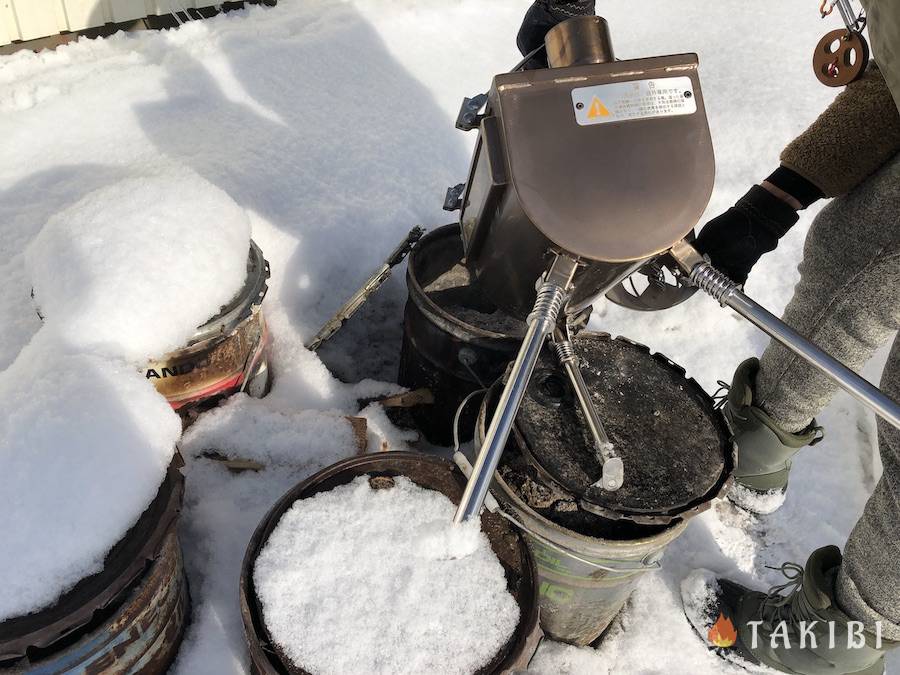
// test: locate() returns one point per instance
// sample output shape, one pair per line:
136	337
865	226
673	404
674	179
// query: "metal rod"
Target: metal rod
613	467
729	294
551	298
369	287
859	388
847	14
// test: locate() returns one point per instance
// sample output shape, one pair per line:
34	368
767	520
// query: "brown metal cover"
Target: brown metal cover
614	192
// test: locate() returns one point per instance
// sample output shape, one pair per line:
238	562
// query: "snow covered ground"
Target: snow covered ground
331	124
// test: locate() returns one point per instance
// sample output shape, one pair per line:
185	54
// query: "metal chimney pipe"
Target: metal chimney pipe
579	41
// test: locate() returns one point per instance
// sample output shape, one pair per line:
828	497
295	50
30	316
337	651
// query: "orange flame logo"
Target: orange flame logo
722	633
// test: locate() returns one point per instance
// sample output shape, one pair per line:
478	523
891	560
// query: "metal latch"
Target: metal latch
453	200
468	117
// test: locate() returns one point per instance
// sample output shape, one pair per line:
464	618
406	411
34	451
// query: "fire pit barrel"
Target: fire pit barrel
431	473
228	353
592	546
454	342
128	618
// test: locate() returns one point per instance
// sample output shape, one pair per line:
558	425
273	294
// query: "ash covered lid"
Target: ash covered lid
675	446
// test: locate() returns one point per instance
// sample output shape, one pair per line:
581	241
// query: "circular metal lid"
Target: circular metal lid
675	445
239	308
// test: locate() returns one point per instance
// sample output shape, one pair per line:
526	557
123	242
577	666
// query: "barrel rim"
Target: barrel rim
124	564
694	508
421	298
262	652
235	311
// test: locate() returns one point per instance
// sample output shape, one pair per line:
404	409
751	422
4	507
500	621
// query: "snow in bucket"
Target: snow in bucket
133	268
359	580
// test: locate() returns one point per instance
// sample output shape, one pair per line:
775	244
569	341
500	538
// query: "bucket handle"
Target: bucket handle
648	563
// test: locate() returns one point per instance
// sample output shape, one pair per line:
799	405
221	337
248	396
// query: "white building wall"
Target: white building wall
30	19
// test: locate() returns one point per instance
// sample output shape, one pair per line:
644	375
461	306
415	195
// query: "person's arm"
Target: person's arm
540	18
851	140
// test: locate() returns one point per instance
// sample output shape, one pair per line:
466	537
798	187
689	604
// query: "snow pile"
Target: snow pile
248	428
357	580
84	443
132	269
435	540
761	503
126	273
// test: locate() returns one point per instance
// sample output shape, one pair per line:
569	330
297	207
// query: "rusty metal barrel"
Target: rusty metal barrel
128	618
228	353
429	472
454	341
592	546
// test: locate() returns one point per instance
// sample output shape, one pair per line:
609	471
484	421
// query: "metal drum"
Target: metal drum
454	341
229	353
128	618
592	546
427	471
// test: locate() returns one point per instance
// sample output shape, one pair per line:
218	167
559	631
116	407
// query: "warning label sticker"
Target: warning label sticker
636	100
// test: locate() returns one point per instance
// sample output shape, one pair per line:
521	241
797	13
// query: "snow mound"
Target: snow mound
434	540
84	446
345	588
133	268
247	428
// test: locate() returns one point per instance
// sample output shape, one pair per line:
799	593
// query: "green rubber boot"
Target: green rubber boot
804	632
765	449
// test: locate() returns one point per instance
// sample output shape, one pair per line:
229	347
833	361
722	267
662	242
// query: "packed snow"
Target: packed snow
331	124
134	267
84	445
363	580
85	439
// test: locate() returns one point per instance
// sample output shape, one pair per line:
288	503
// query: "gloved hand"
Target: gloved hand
540	18
737	239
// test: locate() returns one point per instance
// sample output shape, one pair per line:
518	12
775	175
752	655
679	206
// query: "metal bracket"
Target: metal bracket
551	298
453	199
468	117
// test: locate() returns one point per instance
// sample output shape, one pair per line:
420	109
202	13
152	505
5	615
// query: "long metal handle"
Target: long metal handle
613	467
729	294
551	298
371	285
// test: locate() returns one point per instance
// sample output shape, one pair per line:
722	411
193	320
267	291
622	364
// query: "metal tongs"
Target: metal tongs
613	468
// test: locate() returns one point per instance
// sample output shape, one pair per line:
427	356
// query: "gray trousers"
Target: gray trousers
848	302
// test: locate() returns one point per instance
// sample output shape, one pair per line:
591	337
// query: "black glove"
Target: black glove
738	238
540	18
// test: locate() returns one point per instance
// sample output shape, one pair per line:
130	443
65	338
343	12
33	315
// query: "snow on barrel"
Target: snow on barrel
87	443
133	268
159	270
84	445
364	580
360	569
